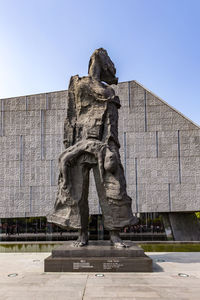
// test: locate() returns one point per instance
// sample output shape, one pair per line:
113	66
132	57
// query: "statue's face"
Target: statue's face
110	161
108	69
101	61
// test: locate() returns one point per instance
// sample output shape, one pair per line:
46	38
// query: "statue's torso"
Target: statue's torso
96	109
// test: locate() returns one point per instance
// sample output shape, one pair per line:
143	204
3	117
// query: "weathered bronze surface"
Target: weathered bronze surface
91	142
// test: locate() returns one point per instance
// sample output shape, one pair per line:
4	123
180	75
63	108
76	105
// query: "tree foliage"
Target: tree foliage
198	214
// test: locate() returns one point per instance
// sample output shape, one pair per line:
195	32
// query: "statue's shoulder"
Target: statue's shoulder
79	83
71	110
73	82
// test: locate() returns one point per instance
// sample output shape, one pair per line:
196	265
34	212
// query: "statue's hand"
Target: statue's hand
66	144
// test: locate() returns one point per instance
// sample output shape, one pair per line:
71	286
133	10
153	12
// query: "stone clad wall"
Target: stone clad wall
160	151
31	140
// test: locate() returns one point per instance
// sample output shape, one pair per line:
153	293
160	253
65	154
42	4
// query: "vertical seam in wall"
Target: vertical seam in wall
42	134
21	160
179	157
51	174
169	196
2	117
26	102
125	154
47	101
145	110
136	186
129	94
31	198
157	144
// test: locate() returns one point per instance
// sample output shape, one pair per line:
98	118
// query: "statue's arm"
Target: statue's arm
69	134
113	99
70	121
70	156
106	94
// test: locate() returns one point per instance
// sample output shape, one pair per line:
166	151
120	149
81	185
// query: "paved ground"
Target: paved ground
164	283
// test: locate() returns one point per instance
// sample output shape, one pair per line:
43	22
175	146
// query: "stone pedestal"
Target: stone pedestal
98	256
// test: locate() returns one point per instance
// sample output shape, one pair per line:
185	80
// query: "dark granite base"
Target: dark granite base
98	257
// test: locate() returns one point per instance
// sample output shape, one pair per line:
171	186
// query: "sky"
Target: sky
156	42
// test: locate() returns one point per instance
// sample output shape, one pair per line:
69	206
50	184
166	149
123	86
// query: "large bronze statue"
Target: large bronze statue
91	142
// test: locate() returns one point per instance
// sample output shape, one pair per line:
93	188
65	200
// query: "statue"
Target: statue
91	142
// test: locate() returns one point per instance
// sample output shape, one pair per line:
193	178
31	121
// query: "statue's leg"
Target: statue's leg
83	209
71	207
115	203
66	212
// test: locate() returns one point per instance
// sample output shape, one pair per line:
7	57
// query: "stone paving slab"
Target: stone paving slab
32	283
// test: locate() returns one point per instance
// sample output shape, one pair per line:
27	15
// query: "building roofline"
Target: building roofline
149	91
7	98
177	111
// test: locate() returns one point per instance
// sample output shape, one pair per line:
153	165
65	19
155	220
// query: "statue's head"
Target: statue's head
102	66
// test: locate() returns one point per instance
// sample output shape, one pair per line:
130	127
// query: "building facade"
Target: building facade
160	151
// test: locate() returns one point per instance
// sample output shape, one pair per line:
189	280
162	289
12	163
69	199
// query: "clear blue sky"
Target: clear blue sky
156	42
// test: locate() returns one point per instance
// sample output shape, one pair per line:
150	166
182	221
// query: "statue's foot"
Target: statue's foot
82	240
116	241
